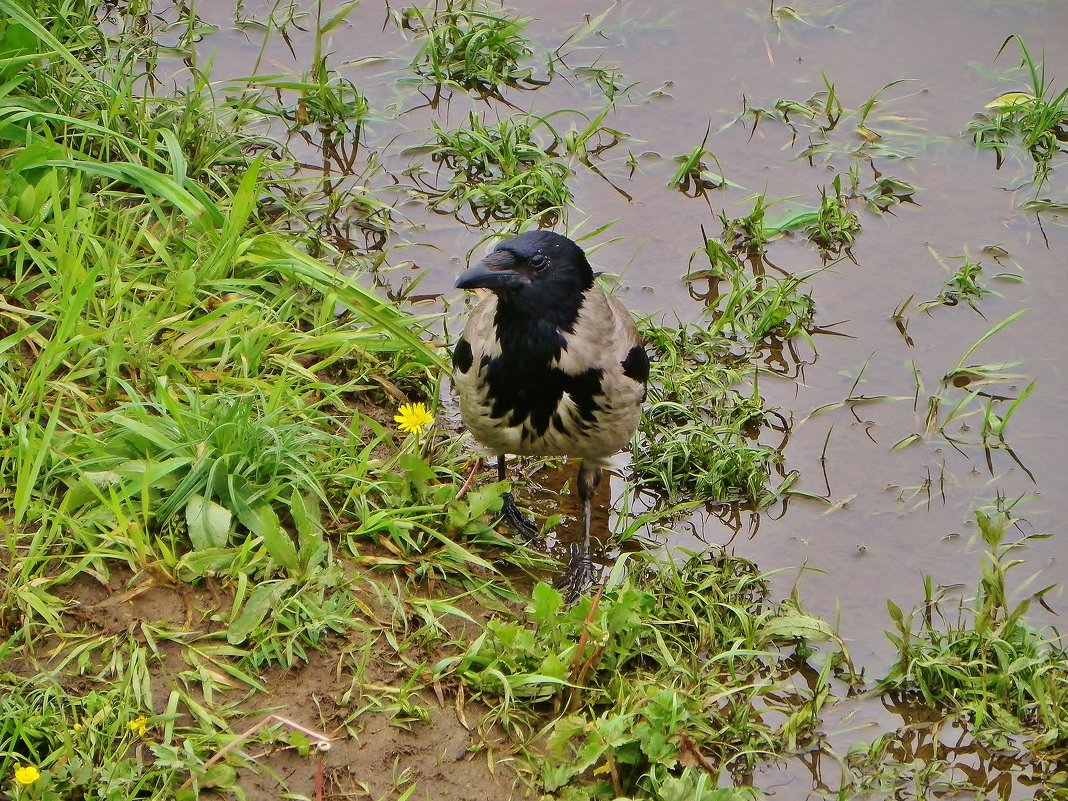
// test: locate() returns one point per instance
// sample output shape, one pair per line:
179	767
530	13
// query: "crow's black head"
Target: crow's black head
537	274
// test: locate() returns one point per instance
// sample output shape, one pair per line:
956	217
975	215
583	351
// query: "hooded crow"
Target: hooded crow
549	365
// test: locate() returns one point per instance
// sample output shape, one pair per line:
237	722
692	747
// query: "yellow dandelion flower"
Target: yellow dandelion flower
138	725
27	774
413	417
77	727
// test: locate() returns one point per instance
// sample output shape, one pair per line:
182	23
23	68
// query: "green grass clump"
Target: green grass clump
832	227
201	464
476	50
749	307
883	193
674	660
964	285
178	389
748	233
699	435
1037	119
320	97
693	177
1003	676
835	226
500	173
101	739
833	131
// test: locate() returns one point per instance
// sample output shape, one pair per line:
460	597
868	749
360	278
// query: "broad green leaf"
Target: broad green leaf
1010	99
547	601
206	562
208	522
262	600
798	625
265	524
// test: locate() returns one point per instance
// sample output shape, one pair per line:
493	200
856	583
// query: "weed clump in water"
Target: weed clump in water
987	664
476	50
499	172
698	436
1038	119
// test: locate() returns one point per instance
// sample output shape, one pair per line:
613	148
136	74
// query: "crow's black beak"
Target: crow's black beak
496	271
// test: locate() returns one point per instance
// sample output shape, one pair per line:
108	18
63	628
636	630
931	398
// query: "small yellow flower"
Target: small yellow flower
138	725
77	727
413	418
27	774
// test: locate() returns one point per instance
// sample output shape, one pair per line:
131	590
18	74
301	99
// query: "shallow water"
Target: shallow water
884	528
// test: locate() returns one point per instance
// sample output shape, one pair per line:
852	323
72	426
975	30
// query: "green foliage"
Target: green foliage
698	436
194	375
674	660
883	193
977	397
749	233
104	739
987	664
756	309
693	177
499	172
278	621
835	227
830	130
177	383
476	50
964	283
832	227
1037	119
207	459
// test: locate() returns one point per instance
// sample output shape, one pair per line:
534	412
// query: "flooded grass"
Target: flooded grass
1037	119
500	173
226	569
467	46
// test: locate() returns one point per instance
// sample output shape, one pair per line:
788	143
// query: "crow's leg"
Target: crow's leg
510	512
578	577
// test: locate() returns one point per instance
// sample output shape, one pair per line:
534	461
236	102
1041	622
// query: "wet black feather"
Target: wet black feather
636	365
462	357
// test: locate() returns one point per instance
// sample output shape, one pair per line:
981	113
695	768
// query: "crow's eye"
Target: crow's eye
539	261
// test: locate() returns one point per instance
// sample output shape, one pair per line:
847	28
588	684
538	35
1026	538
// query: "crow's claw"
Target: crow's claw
522	526
578	577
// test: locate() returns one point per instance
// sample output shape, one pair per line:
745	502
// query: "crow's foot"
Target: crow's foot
578	577
522	525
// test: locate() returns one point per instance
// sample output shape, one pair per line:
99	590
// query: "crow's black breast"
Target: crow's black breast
521	393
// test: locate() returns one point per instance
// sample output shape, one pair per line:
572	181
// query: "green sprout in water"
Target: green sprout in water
835	227
698	436
749	233
1037	118
476	50
500	172
693	177
986	662
963	285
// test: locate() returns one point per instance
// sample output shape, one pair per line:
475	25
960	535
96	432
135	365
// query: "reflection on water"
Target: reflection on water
902	751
